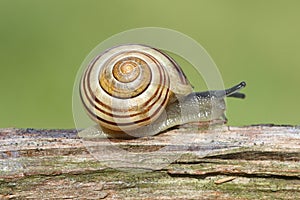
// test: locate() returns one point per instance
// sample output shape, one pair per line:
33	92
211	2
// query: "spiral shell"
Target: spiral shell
129	86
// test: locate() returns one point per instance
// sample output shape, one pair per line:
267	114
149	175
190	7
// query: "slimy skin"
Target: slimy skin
195	107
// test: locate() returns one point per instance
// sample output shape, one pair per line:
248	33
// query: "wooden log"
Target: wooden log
251	162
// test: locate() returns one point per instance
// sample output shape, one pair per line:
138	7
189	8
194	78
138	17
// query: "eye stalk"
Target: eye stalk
233	92
230	92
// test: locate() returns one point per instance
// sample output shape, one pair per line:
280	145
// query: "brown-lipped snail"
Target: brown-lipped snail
136	90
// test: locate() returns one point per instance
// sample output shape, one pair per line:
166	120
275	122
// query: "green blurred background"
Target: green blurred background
43	43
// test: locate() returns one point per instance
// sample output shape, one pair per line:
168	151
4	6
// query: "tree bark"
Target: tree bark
250	162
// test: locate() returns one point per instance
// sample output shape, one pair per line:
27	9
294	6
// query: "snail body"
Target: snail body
136	90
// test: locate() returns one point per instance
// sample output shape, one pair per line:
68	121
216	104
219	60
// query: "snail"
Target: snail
136	90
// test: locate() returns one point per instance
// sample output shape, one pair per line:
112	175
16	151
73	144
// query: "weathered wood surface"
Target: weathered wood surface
252	162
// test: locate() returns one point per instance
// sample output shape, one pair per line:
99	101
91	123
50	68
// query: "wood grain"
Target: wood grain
250	162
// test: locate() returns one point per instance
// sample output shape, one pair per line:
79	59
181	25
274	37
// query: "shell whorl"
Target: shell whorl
129	86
